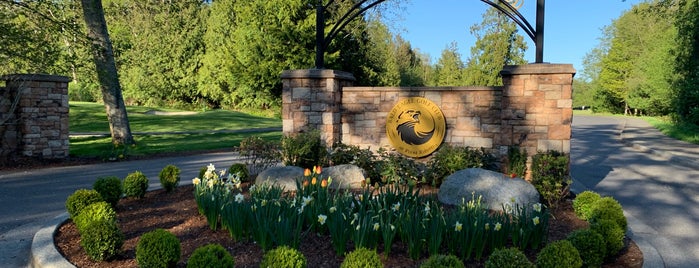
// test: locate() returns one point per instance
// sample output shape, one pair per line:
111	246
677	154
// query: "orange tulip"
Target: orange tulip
513	175
324	183
305	183
314	181
307	172
317	169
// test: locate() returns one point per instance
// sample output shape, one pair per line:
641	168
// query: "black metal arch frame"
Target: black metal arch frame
323	40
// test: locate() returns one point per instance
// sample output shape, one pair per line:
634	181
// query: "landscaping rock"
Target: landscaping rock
495	189
345	176
283	176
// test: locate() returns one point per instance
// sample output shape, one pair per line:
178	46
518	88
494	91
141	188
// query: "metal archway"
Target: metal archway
508	7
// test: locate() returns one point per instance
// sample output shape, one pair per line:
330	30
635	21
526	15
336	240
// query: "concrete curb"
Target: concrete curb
44	252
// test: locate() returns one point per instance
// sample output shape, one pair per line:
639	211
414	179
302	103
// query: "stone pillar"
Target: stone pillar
39	123
311	99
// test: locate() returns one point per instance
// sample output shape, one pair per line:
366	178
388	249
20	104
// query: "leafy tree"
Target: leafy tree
686	103
216	79
449	67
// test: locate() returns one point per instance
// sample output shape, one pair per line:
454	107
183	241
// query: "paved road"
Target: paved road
659	196
28	199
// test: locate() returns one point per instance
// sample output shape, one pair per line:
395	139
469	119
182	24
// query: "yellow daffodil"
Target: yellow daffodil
196	181
332	209
536	220
322	218
376	226
458	226
537	207
498	226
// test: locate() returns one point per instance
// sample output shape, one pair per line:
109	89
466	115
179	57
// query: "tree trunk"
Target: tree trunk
103	56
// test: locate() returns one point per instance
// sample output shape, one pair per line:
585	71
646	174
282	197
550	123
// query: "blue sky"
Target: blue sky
572	28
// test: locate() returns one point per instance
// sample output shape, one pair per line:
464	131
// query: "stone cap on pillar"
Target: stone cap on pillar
538	68
36	77
317	73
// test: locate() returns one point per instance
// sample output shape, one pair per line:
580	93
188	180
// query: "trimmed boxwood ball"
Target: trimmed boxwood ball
211	256
590	245
241	170
560	253
158	248
283	257
610	209
135	184
169	177
110	189
94	212
362	258
508	258
80	199
613	235
583	202
442	261
101	239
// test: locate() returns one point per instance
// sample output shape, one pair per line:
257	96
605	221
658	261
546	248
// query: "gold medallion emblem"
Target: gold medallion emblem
415	127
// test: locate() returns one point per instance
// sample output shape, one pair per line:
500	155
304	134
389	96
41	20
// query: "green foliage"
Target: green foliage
351	154
590	245
283	257
304	150
80	199
442	261
508	258
211	256
612	233
560	253
449	67
449	159
110	189
516	161
583	204
393	167
169	177
550	176
94	212
158	248
259	153
101	239
362	258
240	170
607	208
135	184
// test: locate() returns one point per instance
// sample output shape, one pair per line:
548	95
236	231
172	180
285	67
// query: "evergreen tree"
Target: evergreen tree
686	103
449	67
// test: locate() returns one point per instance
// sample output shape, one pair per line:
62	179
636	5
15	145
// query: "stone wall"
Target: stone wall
34	116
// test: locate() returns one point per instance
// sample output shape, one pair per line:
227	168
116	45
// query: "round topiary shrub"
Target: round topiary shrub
608	208
283	257
110	189
169	177
241	170
158	248
560	253
135	184
100	211
583	202
361	258
508	258
442	261
613	235
590	245
80	199
211	256
101	239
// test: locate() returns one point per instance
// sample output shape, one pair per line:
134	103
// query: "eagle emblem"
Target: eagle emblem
414	128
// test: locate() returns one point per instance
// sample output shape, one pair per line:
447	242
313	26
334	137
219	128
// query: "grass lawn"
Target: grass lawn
91	118
680	131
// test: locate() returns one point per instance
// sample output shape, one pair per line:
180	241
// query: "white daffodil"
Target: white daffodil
322	218
239	198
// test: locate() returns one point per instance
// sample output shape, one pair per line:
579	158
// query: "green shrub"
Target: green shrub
583	203
442	261
283	257
158	248
259	154
304	150
508	258
590	245
612	233
516	161
80	199
101	239
241	170
110	189
560	253
608	208
550	176
211	256
94	212
395	168
169	177
341	154
362	258
135	184
449	159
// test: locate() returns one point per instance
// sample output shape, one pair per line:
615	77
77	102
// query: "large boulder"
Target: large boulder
283	176
496	189
345	176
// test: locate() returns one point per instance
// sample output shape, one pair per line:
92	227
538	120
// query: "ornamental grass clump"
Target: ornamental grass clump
442	261
94	212
583	203
80	199
135	185
211	256
110	189
169	177
508	258
607	208
283	257
590	245
158	248
560	253
362	258
101	239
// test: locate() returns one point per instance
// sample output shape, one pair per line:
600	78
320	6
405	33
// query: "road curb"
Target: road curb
44	252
